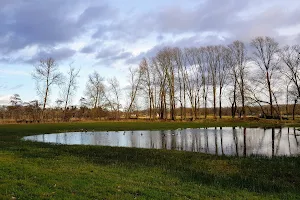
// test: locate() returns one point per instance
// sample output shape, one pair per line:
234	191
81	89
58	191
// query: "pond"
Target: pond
220	141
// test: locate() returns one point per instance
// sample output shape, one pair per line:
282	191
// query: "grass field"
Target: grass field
30	170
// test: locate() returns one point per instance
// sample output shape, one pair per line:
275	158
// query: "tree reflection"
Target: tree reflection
289	142
216	141
219	141
245	143
173	140
295	135
279	140
273	138
235	139
221	136
261	141
206	149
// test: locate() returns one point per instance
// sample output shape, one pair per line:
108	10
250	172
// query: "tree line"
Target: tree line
259	74
184	83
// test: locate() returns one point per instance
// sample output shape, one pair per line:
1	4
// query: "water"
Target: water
219	141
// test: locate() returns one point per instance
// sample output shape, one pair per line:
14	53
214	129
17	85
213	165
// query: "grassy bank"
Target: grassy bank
31	170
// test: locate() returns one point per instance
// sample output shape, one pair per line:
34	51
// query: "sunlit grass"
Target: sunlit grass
30	170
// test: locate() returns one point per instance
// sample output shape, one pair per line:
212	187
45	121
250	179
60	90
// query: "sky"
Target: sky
111	36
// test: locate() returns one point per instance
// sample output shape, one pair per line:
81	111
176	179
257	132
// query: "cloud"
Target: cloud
122	55
14	72
108	55
175	19
239	19
96	14
4	99
35	22
107	52
185	42
88	49
57	54
52	25
47	23
16	87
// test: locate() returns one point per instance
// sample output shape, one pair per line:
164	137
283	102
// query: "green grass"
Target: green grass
31	170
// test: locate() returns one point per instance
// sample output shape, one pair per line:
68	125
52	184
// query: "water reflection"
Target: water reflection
220	141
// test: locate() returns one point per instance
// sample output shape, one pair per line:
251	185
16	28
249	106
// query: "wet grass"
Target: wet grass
30	170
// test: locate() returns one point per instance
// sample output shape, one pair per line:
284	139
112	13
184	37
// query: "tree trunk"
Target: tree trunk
243	100
215	108
67	99
184	100
233	105
220	103
205	106
270	94
294	108
45	98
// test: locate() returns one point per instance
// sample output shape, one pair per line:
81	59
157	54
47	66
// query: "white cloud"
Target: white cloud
13	72
4	99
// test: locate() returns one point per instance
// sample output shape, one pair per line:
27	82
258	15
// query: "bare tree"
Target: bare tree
239	71
165	68
212	59
234	80
193	78
113	96
148	84
15	100
170	73
33	108
83	102
290	55
70	86
179	59
95	89
16	106
223	66
46	75
135	81
59	103
205	76
265	57
160	63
